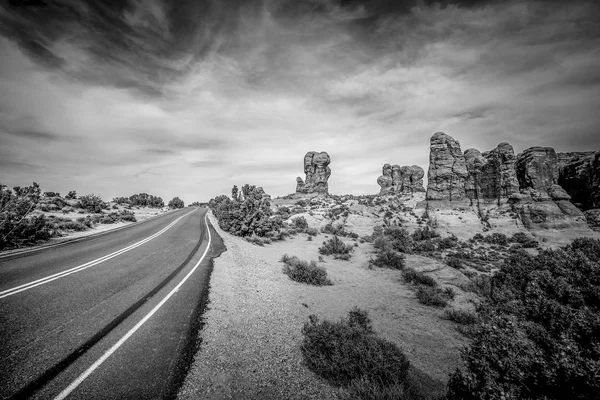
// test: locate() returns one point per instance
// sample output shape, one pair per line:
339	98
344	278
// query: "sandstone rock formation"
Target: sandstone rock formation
401	180
579	175
491	175
316	168
447	173
542	201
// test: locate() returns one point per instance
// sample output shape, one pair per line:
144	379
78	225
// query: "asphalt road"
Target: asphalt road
114	316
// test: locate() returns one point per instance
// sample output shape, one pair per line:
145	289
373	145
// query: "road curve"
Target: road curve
114	316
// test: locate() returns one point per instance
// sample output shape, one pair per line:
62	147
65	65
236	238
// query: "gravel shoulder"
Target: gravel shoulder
250	343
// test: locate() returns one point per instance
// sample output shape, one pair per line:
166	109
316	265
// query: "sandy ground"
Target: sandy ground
251	341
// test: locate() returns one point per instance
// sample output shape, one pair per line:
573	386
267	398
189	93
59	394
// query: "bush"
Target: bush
389	258
91	202
311	231
462	317
539	330
418	278
449	242
176	202
433	296
524	240
335	246
258	240
72	195
454	262
249	212
304	272
17	226
348	352
300	222
424	234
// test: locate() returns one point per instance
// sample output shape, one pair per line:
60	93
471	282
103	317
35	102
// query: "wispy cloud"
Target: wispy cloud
188	98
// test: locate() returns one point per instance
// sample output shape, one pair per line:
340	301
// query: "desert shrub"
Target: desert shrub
418	278
524	240
335	246
424	246
91	203
539	330
496	238
349	353
463	317
51	194
17	226
176	202
454	262
127	216
142	200
449	242
300	222
248	213
393	237
424	234
433	296
478	237
258	240
311	231
72	195
389	258
305	272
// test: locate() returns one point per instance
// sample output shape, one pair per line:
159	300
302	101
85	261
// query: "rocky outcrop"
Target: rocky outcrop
401	180
447	173
316	168
541	201
579	175
491	175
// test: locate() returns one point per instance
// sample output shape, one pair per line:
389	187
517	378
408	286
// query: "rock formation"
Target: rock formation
400	180
541	200
491	175
447	173
579	175
316	168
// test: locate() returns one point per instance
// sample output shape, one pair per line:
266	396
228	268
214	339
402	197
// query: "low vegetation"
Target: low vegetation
305	272
348	353
336	247
246	213
538	335
141	200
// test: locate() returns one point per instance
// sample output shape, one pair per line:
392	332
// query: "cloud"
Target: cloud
188	98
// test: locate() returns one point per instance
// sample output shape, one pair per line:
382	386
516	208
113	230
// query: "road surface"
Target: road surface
113	316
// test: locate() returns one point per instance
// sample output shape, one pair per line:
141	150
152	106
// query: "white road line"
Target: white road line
137	326
58	275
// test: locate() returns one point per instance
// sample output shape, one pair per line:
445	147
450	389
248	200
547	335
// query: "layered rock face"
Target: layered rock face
316	168
579	175
491	175
447	173
401	180
541	200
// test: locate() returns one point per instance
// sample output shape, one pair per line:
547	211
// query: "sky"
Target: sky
187	98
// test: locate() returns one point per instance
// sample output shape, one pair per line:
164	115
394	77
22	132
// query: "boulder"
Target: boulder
447	173
401	180
316	168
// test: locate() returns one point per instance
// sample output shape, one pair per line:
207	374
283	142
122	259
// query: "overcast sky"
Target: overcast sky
187	98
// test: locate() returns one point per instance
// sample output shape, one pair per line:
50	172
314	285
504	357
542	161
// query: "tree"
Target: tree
72	195
176	202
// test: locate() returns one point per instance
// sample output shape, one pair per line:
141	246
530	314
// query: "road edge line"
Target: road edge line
65	392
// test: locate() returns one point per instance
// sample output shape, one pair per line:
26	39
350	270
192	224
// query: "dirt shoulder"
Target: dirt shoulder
251	339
